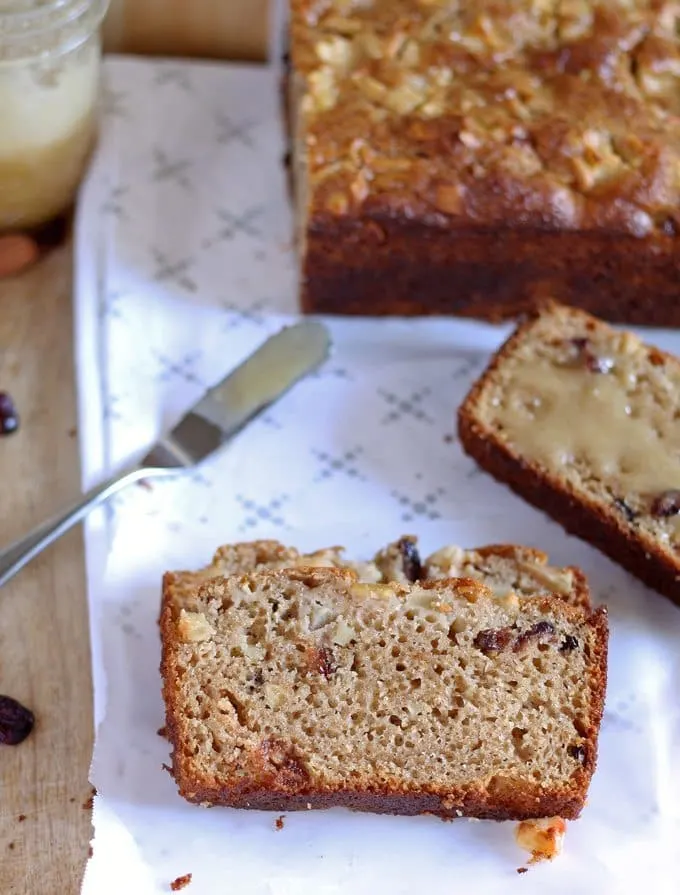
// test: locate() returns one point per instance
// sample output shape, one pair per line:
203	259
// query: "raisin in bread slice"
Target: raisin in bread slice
304	688
503	568
583	421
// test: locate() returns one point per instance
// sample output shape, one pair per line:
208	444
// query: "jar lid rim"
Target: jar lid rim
28	18
46	26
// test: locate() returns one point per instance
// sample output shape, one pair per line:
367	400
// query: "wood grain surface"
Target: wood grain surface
44	641
215	29
44	637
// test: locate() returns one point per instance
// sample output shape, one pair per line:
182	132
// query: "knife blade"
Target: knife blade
243	394
222	412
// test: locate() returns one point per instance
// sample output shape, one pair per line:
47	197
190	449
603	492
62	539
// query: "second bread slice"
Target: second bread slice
584	422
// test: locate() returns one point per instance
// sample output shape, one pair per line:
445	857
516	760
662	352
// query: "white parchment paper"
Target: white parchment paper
184	266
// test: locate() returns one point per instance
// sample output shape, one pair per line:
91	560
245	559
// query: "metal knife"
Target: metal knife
220	414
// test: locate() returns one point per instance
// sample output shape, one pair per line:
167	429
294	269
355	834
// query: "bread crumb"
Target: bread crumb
21	818
11	846
181	882
522	870
90	852
163	732
279	822
542	837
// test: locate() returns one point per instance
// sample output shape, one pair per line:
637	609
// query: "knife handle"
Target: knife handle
14	557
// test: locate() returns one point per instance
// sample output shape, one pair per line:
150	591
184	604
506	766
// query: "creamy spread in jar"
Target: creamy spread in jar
49	86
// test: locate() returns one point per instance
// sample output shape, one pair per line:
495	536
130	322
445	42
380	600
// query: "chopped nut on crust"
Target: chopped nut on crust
543	837
194	627
363	591
542	98
559	581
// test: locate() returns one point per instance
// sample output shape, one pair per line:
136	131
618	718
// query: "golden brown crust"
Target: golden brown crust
495	115
579	594
180	588
277	778
606	529
484	155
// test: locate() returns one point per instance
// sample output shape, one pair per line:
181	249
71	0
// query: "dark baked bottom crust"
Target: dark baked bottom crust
520	806
502	799
376	267
608	531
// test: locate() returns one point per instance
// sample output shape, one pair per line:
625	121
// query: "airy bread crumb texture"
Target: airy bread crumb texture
306	686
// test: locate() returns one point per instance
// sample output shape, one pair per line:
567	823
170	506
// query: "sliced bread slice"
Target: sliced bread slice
304	688
583	421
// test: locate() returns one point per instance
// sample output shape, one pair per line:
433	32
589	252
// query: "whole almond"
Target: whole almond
17	252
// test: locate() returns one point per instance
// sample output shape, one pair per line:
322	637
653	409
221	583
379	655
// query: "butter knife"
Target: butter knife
220	414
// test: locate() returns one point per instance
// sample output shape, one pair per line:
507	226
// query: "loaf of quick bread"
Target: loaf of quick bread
584	422
474	158
304	688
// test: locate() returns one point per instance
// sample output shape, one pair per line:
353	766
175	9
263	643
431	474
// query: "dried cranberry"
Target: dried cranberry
16	722
593	362
578	753
569	643
535	632
9	418
541	629
327	664
667	504
411	565
493	640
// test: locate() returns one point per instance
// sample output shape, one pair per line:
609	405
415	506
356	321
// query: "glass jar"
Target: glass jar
50	54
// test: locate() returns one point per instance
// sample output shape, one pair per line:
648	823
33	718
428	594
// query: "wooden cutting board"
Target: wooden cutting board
44	641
